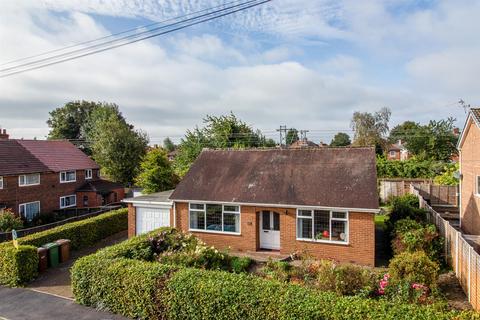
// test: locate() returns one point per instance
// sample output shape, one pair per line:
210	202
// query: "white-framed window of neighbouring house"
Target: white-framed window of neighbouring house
29	210
216	218
68	201
29	179
88	174
393	153
1	182
68	176
322	225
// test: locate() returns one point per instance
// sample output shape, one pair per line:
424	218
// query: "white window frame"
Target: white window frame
477	185
204	211
71	205
347	220
25	184
65	173
1	183
88	174
27	203
393	153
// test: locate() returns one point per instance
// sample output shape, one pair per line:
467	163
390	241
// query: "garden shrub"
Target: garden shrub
9	221
240	264
278	270
17	266
20	267
412	268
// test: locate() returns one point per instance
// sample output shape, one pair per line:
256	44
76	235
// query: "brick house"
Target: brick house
321	201
397	151
469	149
38	176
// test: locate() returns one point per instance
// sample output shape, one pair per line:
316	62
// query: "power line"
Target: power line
135	38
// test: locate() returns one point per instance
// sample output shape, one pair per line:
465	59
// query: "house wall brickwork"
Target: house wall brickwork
470	169
360	249
48	192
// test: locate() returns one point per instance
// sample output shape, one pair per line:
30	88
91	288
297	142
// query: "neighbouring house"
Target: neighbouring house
469	149
41	176
303	143
319	200
398	151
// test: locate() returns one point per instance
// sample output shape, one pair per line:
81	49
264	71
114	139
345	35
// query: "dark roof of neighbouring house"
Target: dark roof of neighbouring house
29	156
99	186
397	147
476	115
155	197
327	177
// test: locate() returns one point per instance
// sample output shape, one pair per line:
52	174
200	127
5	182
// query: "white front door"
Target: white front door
148	219
269	230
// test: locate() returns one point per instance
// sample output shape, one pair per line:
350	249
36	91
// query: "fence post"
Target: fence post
456	254
469	267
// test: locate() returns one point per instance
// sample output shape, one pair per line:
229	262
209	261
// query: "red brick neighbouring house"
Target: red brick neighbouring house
321	201
38	176
397	151
469	148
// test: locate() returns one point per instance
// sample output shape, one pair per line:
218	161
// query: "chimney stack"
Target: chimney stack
3	134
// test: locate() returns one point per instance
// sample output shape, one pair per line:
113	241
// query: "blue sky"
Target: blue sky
308	64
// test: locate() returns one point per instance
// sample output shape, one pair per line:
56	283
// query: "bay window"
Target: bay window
322	225
214	217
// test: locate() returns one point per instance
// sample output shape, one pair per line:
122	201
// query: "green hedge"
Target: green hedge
20	266
17	266
113	279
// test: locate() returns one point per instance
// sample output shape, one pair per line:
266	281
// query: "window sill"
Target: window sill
68	181
343	243
216	232
70	206
28	185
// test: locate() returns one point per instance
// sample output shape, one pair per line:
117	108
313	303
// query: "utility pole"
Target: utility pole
303	135
283	135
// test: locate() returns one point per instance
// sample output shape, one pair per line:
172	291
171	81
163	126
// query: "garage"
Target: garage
149	212
151	218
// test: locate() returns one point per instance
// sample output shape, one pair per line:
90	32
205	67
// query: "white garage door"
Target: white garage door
148	219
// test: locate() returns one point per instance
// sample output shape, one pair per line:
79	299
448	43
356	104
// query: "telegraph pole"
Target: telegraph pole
283	135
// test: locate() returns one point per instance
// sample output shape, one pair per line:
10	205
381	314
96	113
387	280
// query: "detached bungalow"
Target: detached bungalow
321	201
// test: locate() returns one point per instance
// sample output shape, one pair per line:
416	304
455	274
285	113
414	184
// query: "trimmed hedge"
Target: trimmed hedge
17	266
20	266
110	279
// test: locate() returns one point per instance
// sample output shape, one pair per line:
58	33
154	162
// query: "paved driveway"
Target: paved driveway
57	280
22	304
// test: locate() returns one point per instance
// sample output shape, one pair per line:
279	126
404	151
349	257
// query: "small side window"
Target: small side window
1	182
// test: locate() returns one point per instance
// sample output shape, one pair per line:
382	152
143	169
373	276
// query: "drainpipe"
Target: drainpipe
174	215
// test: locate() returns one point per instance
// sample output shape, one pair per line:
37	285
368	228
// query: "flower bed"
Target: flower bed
135	279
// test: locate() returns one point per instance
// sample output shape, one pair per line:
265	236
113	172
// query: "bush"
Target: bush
17	266
20	266
412	236
278	270
413	268
8	221
405	207
240	264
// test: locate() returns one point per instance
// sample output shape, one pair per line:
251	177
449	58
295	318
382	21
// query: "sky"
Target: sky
307	64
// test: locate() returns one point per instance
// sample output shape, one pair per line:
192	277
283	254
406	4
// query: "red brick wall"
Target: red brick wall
360	250
48	192
470	168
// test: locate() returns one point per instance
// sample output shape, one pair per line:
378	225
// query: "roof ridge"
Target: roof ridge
289	149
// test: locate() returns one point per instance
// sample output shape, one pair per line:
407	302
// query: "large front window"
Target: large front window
322	225
214	217
68	201
29	210
29	179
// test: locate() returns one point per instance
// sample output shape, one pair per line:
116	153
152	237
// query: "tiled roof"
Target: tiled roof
30	156
476	115
99	186
327	177
59	155
14	159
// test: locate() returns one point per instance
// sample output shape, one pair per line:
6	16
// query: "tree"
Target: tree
118	148
168	144
156	172
371	129
341	139
220	132
292	136
435	140
76	119
403	131
448	178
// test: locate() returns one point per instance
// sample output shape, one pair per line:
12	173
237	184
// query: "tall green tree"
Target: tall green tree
403	131
292	136
118	149
219	132
371	129
76	119
168	144
341	139
156	172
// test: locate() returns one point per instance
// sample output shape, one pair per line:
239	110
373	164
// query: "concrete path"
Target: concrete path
57	280
22	304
